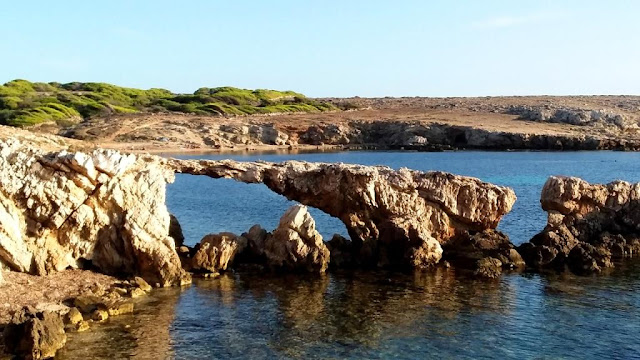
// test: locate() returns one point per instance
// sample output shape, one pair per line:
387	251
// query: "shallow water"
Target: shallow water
383	315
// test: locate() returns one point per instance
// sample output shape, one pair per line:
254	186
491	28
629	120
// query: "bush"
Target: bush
23	103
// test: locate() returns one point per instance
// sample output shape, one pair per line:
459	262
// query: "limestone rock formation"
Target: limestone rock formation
107	210
63	209
216	252
394	217
35	335
296	244
588	225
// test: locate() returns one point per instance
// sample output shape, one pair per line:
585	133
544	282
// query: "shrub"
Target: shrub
23	103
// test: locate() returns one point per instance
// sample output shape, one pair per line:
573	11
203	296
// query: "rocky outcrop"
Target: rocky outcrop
574	116
588	225
101	209
35	335
415	135
106	210
486	252
394	217
296	244
216	252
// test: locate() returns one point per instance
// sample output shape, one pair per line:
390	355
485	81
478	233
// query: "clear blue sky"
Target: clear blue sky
330	48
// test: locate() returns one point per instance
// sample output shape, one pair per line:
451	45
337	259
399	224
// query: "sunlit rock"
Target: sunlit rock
588	225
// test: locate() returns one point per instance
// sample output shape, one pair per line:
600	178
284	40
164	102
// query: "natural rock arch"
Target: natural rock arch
393	217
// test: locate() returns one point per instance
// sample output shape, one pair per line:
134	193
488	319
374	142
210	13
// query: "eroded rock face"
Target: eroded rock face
296	244
486	252
588	225
216	252
394	217
63	209
35	335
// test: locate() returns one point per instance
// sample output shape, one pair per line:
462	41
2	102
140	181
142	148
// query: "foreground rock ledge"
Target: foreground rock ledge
588	226
393	217
102	210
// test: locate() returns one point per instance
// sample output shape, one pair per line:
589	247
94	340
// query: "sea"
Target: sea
437	314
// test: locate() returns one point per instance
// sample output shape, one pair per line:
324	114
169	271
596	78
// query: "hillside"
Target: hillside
227	118
24	103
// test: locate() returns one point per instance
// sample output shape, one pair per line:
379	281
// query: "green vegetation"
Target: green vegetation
23	103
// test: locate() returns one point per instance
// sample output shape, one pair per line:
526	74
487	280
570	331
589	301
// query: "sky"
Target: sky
330	48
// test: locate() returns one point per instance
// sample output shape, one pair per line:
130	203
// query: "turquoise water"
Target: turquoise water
382	315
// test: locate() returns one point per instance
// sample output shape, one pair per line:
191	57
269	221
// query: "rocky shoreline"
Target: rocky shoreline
104	211
252	134
422	124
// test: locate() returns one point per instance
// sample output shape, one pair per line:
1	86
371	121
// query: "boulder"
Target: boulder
102	208
256	237
394	217
296	244
473	251
588	225
216	252
35	335
341	252
488	267
175	231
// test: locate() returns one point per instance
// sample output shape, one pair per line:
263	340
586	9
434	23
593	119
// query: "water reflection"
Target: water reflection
144	335
380	315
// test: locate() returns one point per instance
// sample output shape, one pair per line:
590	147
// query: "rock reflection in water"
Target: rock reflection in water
295	316
379	315
144	335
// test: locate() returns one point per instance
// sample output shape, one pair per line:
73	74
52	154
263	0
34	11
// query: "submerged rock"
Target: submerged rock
394	217
216	252
35	335
588	225
296	244
101	209
488	267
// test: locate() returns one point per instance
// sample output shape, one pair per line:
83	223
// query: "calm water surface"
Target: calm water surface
383	315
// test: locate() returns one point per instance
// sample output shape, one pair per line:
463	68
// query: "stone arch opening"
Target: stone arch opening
205	206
